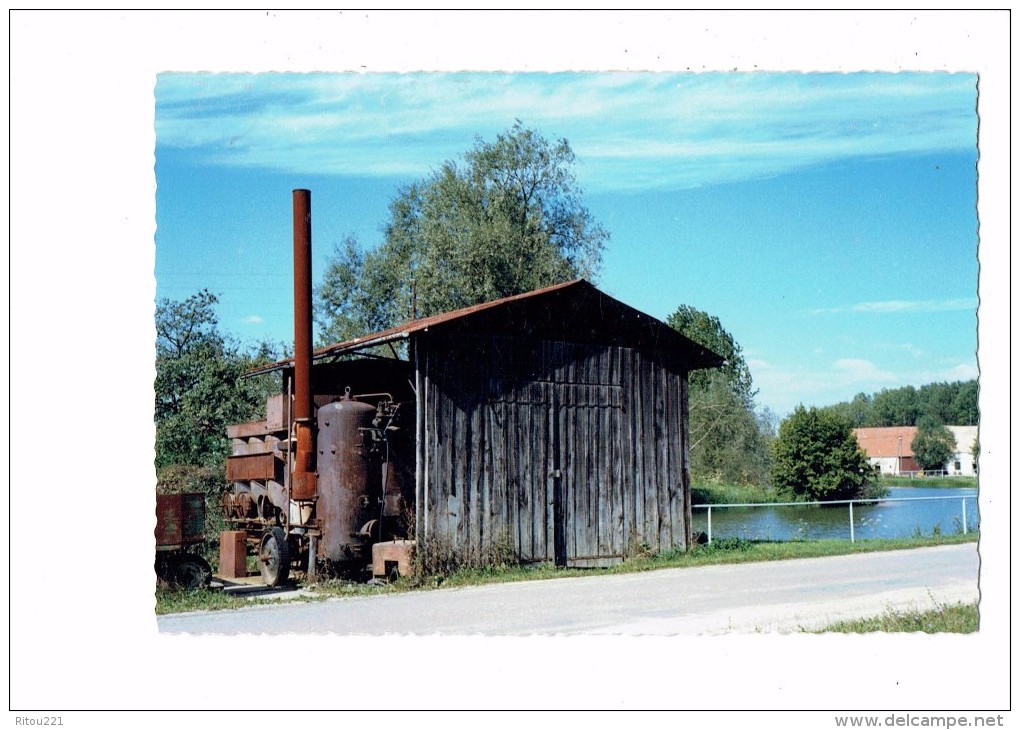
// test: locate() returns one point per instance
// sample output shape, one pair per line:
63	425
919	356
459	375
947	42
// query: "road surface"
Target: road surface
789	595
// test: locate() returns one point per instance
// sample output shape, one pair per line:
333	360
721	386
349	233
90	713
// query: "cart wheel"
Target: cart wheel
274	557
164	568
193	572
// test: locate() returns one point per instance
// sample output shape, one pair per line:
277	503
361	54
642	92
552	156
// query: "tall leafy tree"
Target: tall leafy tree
707	330
933	444
197	387
729	440
815	457
506	219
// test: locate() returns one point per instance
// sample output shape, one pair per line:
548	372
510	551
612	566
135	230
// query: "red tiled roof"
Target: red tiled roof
886	442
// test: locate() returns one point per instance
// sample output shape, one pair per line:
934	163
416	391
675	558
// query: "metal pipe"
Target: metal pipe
303	483
425	395
302	304
289	472
851	522
709	524
362	396
963	503
419	447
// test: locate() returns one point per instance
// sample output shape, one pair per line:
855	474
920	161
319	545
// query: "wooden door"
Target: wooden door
586	475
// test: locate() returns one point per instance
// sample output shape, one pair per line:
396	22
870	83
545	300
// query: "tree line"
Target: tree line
950	404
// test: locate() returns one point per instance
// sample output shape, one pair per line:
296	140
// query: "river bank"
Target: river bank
754	494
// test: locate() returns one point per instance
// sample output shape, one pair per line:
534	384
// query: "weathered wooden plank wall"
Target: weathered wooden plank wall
506	415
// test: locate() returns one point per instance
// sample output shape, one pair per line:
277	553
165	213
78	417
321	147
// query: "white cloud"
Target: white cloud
253	319
897	306
855	370
677	129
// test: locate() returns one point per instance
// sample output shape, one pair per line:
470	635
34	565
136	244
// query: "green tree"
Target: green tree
815	457
895	407
506	219
729	440
857	411
965	404
708	331
197	387
933	444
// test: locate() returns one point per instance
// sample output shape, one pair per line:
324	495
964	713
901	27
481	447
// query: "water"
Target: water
814	522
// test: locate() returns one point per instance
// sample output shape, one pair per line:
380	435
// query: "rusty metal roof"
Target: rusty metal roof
575	310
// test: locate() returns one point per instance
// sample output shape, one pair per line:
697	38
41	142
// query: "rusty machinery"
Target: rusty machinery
180	526
316	484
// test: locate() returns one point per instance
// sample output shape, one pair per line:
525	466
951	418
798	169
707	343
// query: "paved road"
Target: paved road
787	595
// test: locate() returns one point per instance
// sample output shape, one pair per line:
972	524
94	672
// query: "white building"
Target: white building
962	462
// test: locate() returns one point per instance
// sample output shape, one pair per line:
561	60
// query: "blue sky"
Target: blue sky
828	220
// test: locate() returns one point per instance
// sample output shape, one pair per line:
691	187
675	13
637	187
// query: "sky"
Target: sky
828	220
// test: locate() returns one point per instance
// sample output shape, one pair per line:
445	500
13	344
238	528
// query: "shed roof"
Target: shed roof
884	442
574	311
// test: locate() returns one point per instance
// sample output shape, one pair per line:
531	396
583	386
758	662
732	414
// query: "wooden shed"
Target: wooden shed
554	422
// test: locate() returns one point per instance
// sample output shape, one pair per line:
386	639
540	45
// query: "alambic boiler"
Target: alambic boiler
316	483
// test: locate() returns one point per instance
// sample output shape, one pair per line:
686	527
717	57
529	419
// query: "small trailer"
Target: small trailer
180	525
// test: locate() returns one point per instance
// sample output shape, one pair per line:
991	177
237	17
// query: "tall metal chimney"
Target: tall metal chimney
303	486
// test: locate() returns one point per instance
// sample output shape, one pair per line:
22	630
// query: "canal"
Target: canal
886	519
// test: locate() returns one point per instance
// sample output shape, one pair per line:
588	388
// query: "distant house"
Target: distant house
889	449
963	461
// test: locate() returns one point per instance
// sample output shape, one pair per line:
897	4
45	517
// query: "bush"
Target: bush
816	458
933	445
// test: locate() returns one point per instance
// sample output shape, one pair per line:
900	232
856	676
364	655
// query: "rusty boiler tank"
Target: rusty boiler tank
349	492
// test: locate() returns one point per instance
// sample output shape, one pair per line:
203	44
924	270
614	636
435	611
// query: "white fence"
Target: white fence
850	507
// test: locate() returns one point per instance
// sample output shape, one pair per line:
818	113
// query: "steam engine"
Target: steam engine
329	472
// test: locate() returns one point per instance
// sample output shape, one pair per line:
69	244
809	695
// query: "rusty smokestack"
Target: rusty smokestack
303	481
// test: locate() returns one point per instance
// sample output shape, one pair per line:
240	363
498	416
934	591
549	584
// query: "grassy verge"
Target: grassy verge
725	551
929	482
956	619
753	494
731	494
182	600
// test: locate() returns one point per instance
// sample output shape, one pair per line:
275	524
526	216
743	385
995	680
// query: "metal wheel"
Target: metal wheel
274	557
192	571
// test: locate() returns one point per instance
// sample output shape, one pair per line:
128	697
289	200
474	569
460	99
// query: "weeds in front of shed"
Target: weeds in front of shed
638	547
438	557
171	599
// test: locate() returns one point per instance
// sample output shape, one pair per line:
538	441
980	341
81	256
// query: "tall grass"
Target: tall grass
955	619
732	494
